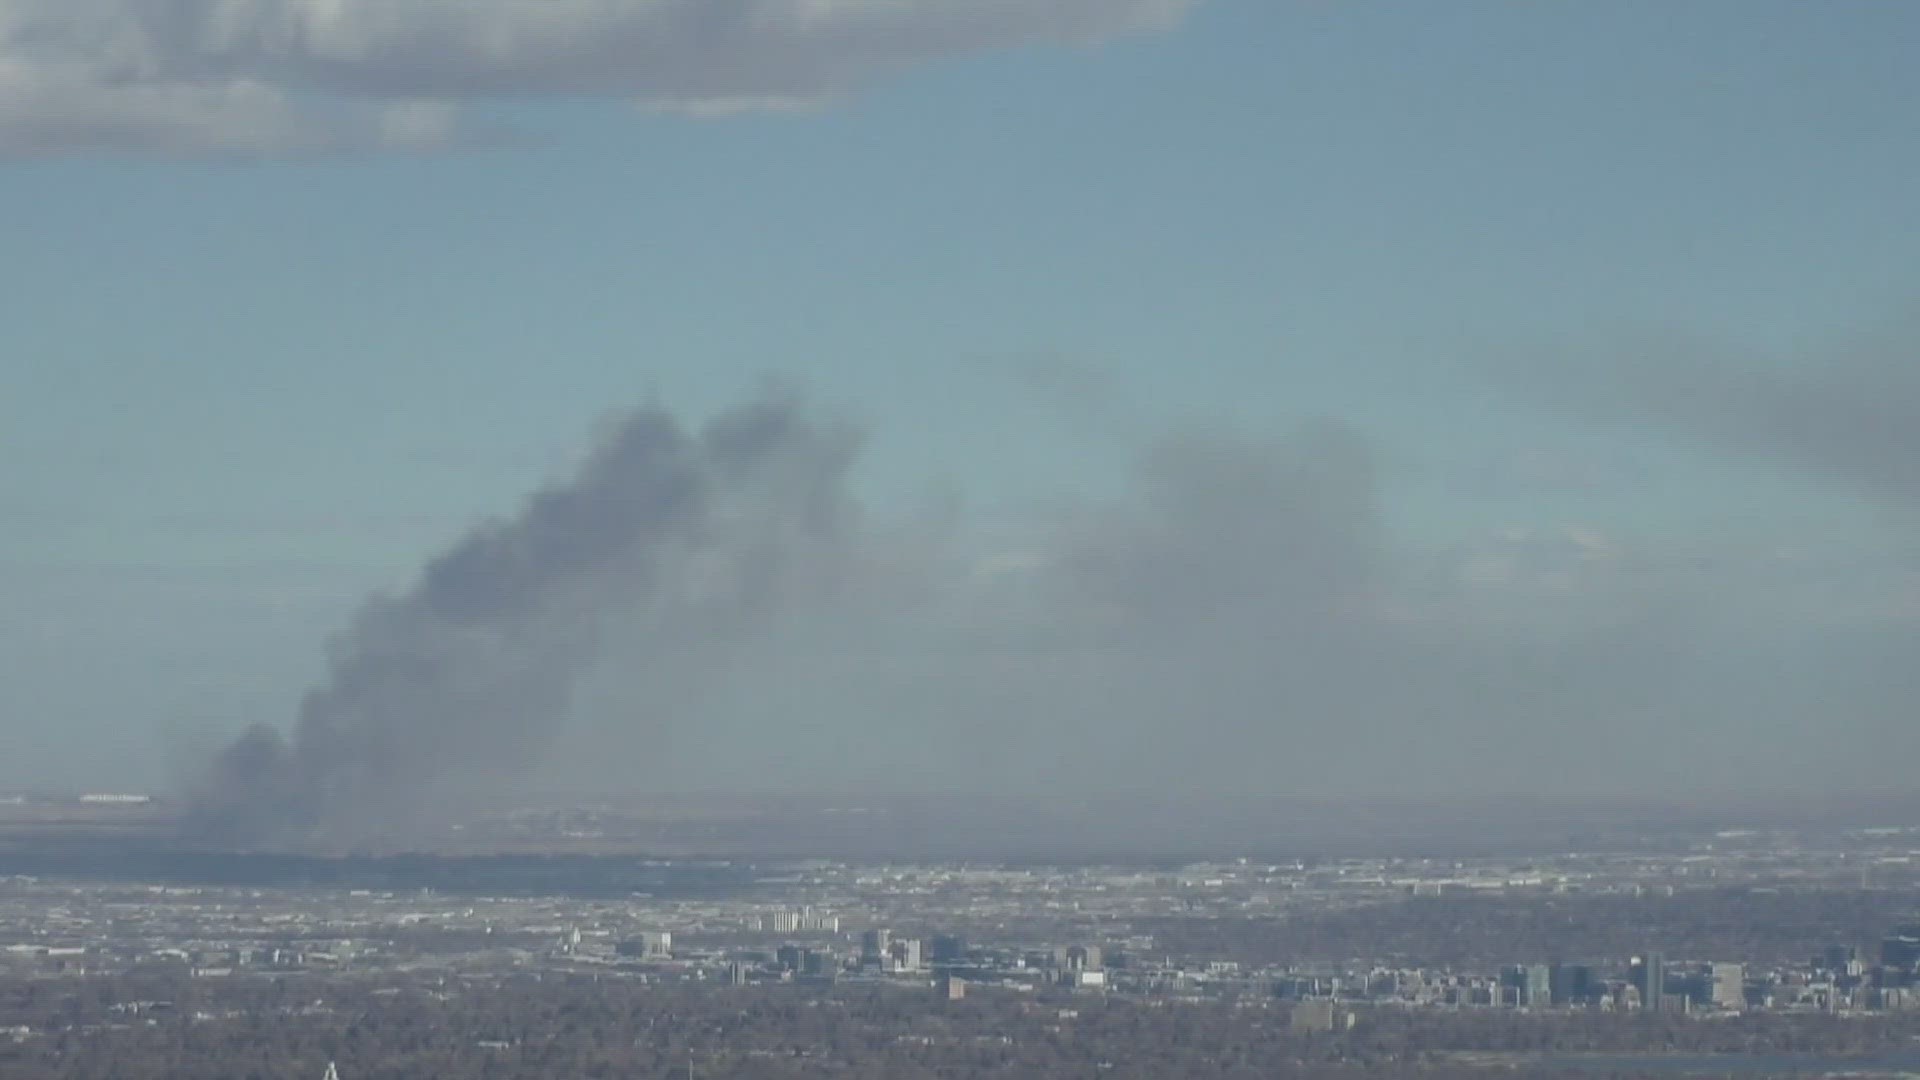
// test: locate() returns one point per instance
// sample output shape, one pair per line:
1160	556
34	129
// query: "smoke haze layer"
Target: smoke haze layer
702	609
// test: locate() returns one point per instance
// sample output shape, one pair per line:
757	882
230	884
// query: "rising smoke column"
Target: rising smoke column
462	679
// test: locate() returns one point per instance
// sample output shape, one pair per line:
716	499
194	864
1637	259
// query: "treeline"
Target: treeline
149	1028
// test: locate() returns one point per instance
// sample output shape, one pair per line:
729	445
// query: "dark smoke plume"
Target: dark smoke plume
462	680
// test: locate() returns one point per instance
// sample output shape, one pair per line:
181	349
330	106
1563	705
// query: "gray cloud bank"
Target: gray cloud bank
303	76
708	609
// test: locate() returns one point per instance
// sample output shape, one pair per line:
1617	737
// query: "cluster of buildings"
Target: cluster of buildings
802	920
945	960
1838	980
1017	927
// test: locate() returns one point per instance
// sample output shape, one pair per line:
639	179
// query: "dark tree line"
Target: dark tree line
395	1028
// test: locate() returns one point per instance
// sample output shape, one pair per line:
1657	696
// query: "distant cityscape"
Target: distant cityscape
1767	930
75	930
1015	927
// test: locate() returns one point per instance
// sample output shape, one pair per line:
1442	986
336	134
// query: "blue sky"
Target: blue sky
241	387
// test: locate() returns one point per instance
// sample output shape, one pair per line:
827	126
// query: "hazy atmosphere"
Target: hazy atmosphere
404	401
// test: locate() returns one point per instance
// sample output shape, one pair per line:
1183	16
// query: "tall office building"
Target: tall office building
1573	983
1653	982
1536	986
904	954
1729	987
874	947
949	949
1077	958
819	964
650	945
1901	949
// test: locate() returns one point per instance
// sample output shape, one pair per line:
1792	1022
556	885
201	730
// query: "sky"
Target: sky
1483	396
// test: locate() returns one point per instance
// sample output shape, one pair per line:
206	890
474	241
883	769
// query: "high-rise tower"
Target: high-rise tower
1653	983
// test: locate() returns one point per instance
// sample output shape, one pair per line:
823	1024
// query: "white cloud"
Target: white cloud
299	75
711	106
